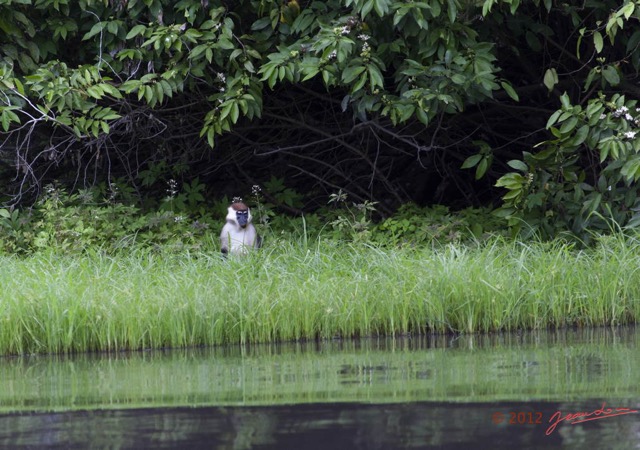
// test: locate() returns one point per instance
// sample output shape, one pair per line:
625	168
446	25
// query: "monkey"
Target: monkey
238	233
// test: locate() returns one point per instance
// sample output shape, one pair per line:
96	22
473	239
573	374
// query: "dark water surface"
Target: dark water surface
497	391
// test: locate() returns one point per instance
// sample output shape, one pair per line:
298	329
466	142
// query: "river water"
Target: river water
449	392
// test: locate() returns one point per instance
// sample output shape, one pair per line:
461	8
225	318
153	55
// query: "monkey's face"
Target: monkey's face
240	214
243	218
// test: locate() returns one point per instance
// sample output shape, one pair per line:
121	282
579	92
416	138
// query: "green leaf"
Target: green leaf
569	125
422	116
597	41
260	24
198	50
97	28
518	165
166	87
226	109
381	7
225	44
592	205
210	137
95	92
109	89
19	86
627	10
471	161
513	194
631	170
566	102
375	76
581	135
554	117
235	112
593	73
112	27
148	95
351	73
633	41
366	9
452	11
611	75
510	91
273	78
482	168
105	127
138	29
267	71
550	78
359	84
159	92
458	79
311	72
511	181
6	123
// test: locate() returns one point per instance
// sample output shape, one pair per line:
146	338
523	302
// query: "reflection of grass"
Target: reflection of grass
539	366
52	303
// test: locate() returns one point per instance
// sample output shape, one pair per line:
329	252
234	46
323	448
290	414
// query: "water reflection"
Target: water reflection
314	426
425	392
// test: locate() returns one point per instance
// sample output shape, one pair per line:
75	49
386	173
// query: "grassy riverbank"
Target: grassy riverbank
55	303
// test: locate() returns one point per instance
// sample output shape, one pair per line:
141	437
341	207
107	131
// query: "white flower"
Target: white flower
345	30
603	116
364	37
172	190
629	117
630	134
620	111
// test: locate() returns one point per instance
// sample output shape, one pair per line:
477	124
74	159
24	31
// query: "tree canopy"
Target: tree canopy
433	101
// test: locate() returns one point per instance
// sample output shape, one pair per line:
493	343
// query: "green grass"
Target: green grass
53	303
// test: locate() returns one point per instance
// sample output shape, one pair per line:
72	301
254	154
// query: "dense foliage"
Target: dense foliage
384	99
81	222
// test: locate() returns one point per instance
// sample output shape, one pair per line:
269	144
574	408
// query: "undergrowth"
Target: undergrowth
89	219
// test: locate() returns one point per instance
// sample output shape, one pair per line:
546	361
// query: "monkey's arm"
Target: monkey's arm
224	241
253	238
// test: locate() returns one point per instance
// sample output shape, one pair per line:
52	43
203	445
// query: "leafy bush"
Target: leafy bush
72	223
413	225
582	180
75	222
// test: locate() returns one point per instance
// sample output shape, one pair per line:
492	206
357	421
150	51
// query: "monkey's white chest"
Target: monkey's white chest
240	240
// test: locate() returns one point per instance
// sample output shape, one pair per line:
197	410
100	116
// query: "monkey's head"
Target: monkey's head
239	212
